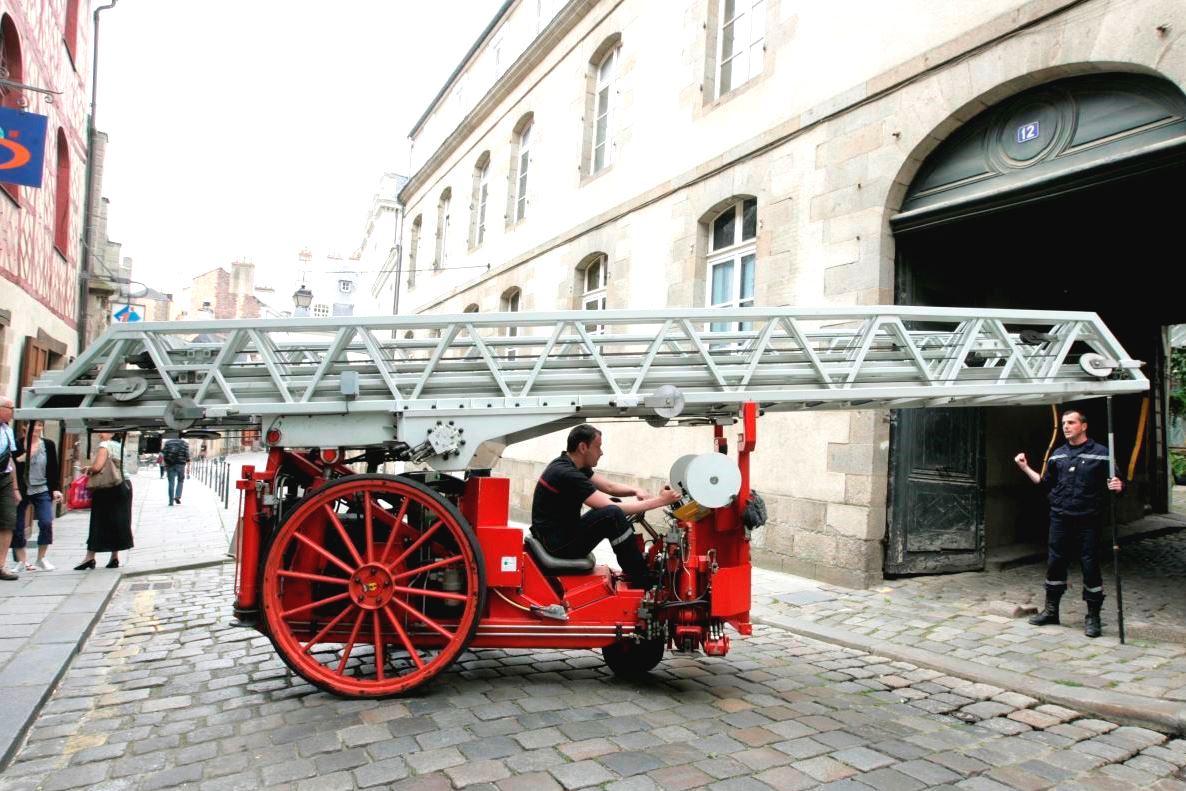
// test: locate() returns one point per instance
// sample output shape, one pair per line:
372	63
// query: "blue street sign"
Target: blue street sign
22	147
1028	132
126	314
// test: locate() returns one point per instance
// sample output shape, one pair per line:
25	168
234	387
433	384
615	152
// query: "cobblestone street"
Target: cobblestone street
167	693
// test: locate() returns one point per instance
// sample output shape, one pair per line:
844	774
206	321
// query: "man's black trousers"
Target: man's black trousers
1072	536
605	524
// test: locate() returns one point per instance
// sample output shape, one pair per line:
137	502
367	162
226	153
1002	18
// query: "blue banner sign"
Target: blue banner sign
22	147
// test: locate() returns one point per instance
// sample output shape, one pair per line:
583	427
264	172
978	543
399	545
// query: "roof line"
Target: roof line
461	66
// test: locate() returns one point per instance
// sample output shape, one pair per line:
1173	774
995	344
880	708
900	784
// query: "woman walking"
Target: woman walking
39	481
111	509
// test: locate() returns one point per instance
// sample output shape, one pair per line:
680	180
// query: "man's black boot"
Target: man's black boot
1091	623
1050	614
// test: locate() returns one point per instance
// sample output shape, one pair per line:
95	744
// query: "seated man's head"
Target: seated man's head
584	446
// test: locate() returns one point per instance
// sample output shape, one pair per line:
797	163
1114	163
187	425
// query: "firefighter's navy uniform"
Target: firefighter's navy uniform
1076	482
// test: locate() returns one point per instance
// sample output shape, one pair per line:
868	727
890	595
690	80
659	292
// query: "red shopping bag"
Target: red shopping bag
78	496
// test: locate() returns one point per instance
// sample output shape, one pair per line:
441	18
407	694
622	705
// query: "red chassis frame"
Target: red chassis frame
703	562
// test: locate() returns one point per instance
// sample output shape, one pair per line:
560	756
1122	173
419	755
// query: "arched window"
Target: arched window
62	198
592	275
414	249
481	190
520	169
741	42
509	303
732	258
11	69
471	308
602	77
70	29
443	228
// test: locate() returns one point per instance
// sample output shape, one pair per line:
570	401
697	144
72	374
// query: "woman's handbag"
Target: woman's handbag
106	478
78	496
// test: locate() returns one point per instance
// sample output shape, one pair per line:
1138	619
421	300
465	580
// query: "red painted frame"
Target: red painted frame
706	579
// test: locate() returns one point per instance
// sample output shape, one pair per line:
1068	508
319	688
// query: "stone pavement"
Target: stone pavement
974	624
167	694
957	627
46	615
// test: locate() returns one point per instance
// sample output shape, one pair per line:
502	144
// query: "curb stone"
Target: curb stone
1125	708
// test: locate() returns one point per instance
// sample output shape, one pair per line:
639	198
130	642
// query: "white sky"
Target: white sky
249	129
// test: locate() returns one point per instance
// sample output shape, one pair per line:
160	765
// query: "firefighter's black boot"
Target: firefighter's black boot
1050	614
1091	623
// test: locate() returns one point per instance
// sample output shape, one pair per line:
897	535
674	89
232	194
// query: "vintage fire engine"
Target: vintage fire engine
370	584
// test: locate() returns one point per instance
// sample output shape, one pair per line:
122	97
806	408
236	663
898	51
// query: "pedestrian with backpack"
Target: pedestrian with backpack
176	453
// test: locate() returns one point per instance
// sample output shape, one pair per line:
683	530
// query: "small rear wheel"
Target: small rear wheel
633	660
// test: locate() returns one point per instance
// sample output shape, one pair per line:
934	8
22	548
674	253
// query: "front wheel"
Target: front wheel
372	586
633	660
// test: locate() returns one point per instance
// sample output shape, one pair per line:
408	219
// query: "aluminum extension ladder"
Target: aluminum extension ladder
451	384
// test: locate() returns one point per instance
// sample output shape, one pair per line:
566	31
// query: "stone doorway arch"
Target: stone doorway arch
1033	202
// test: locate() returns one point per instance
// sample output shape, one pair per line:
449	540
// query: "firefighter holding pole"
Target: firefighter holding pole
1077	478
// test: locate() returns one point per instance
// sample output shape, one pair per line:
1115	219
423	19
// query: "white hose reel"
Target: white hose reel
711	479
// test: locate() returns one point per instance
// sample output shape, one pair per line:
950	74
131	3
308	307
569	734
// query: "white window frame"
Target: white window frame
732	254
522	171
749	20
594	298
510	302
443	241
345	286
414	249
603	81
483	190
319	310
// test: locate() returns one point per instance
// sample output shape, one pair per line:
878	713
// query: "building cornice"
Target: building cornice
535	53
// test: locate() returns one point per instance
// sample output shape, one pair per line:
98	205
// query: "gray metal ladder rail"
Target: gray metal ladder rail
789	358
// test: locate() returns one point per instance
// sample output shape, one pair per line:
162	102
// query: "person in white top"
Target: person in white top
8	484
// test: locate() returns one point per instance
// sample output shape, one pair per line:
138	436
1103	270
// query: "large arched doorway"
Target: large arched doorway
1065	197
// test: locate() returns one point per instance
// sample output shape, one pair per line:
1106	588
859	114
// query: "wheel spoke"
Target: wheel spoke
368	520
304	575
331	557
350	645
403	638
399	520
314	604
419	616
333	517
415	544
379	660
325	630
430	593
431	566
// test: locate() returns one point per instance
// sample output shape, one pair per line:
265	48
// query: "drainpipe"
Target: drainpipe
88	236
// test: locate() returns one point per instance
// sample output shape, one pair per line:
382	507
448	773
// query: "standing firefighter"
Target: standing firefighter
1076	481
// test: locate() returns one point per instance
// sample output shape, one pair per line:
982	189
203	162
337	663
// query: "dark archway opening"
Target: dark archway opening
1113	248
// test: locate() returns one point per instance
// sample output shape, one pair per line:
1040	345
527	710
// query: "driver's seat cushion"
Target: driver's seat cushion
554	565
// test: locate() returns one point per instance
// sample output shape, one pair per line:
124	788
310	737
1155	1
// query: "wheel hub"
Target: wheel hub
371	586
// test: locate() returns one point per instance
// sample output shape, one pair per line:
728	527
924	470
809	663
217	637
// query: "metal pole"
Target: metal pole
1112	521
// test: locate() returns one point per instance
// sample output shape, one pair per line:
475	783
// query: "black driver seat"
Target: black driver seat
549	564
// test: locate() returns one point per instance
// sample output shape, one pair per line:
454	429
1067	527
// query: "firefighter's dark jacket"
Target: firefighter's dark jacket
1076	479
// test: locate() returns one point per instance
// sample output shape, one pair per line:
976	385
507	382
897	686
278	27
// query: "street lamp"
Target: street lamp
302	298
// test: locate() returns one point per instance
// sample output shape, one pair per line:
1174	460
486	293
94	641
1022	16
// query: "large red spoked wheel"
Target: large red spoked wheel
373	585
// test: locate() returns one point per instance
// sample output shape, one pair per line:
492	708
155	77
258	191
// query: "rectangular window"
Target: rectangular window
483	187
741	42
601	120
524	167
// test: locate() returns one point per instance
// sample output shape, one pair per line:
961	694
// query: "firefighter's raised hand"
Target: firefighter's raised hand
1021	460
1116	485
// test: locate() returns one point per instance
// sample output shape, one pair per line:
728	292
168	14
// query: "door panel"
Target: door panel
936	521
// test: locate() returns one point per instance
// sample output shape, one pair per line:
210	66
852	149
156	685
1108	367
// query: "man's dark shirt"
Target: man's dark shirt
1076	479
559	495
176	451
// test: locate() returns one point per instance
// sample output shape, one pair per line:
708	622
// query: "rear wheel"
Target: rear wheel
372	586
632	659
